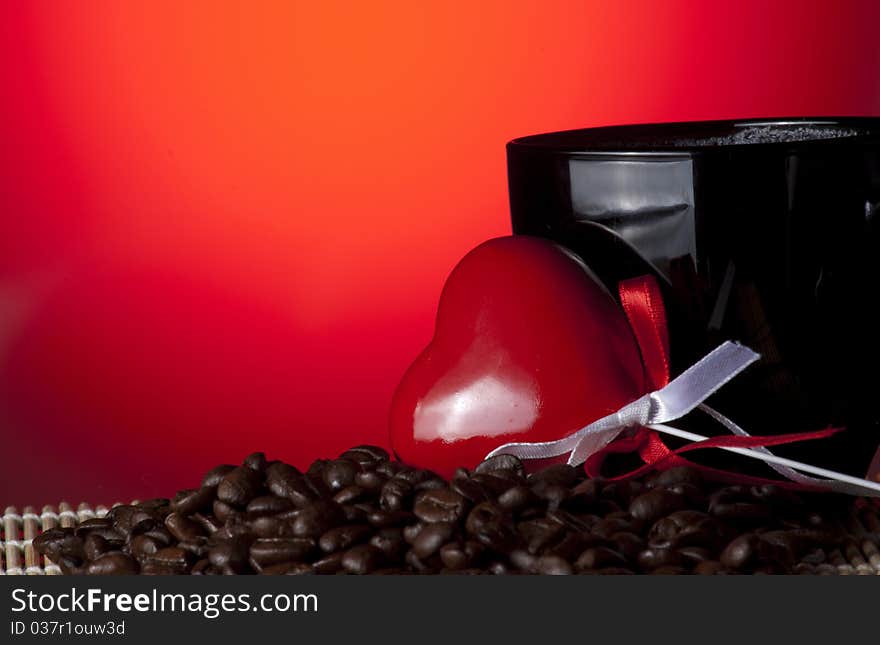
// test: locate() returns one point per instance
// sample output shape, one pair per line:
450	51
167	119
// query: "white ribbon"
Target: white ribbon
680	396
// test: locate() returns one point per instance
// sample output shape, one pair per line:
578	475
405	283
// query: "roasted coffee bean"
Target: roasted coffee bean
552	494
256	461
343	537
269	527
225	512
268	505
628	544
693	555
356	513
523	560
440	505
395	494
389	468
94	545
599	557
339	474
268	551
201	568
352	495
230	556
741	512
411	532
431	538
657	502
56	543
382	519
579	523
651	558
491	525
375	454
501	463
607	527
390	541
212	477
540	533
112	563
622	492
458	555
369	480
173	558
141	547
553	565
317	518
187	502
239	487
740	552
208	523
329	564
582	497
561	474
517	498
470	490
198	547
183	528
363	558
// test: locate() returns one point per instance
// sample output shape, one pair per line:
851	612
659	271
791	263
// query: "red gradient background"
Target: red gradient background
224	227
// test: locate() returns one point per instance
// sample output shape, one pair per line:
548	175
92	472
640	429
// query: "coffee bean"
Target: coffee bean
141	547
329	564
265	552
553	565
369	480
390	541
239	486
187	502
740	552
183	528
316	518
256	461
352	495
628	544
651	558
173	558
201	568
440	505
344	537
113	563
654	504
599	557
230	556
94	545
339	474
431	538
561	474
362	559
395	494
268	505
517	498
376	454
501	463
470	490
458	555
212	477
382	519
491	525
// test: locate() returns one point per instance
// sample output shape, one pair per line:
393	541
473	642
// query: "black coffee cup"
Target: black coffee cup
762	231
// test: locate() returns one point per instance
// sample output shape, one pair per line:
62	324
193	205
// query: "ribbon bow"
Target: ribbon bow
674	399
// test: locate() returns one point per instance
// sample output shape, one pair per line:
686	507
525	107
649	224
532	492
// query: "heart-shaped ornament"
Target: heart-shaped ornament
528	346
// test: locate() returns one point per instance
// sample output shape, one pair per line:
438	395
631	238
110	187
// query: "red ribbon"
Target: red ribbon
643	304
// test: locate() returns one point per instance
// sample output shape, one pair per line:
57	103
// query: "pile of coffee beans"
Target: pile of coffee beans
366	513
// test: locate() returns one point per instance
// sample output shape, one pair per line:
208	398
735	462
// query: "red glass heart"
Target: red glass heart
528	346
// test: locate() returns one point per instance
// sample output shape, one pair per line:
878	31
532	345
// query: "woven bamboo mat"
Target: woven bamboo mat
17	531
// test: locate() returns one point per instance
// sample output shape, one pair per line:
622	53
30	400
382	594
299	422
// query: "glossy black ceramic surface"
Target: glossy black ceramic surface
762	231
